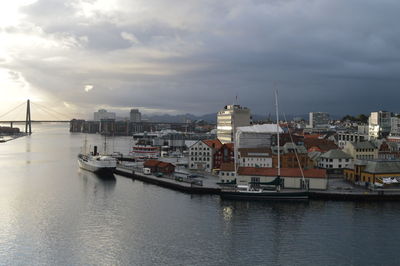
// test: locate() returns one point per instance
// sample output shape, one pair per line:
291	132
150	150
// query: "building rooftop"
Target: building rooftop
363	145
382	167
227	167
213	143
336	154
289	148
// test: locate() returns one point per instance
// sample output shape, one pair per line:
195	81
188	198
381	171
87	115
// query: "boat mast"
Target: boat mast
277	133
105	144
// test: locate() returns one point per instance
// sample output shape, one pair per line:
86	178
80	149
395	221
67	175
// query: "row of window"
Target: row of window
331	160
365	157
192	166
200	149
331	166
364	150
200	159
256	159
257	165
200	153
227	174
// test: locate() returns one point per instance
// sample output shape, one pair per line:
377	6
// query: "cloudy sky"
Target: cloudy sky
178	56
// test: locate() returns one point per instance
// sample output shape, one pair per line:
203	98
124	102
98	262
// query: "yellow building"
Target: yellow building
373	171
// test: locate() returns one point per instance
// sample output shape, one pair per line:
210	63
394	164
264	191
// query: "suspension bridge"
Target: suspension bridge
56	117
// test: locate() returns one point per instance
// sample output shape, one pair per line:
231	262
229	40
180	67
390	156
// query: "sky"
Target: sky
192	56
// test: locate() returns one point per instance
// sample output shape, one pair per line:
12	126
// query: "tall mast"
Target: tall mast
277	133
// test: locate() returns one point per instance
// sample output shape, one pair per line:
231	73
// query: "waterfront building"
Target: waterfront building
319	120
103	114
255	157
371	172
379	124
201	154
225	154
228	119
157	166
292	177
364	150
135	116
227	173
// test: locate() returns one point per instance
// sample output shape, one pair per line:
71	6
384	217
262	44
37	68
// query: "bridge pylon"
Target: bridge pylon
28	121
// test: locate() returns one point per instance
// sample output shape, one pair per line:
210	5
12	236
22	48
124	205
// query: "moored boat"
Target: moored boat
101	165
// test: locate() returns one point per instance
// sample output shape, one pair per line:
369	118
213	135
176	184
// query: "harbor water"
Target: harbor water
52	213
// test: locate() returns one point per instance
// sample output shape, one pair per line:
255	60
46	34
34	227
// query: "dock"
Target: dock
169	182
211	188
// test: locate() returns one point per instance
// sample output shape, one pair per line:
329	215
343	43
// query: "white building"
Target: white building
201	154
255	157
379	124
319	120
103	114
135	116
335	159
315	179
228	119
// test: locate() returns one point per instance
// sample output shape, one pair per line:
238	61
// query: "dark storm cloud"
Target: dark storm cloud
336	56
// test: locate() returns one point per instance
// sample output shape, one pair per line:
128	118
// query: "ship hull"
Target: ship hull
102	171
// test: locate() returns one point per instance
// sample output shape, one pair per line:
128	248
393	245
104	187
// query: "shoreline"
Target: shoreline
11	137
325	195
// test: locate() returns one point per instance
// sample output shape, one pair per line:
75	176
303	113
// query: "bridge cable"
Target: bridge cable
44	110
13	109
50	110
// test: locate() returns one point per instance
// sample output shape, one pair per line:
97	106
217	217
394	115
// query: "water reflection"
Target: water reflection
97	184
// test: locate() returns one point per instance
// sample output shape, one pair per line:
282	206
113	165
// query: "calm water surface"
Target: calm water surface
52	213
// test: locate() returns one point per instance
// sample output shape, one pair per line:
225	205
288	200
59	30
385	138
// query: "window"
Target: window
340	166
222	173
232	174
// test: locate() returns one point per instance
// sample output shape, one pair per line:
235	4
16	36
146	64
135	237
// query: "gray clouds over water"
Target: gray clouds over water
195	56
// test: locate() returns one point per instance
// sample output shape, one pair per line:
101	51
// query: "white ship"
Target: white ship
145	152
101	165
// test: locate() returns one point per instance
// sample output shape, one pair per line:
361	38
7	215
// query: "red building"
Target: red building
157	166
225	154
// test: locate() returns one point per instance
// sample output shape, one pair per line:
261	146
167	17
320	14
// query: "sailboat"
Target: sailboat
101	165
257	190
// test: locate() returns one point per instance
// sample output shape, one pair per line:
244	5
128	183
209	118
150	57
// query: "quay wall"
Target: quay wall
162	182
314	195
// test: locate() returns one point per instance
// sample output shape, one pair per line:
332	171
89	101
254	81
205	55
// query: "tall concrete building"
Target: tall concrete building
228	119
319	119
379	124
395	126
135	116
103	114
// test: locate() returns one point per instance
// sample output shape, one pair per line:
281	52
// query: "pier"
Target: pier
212	188
170	182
